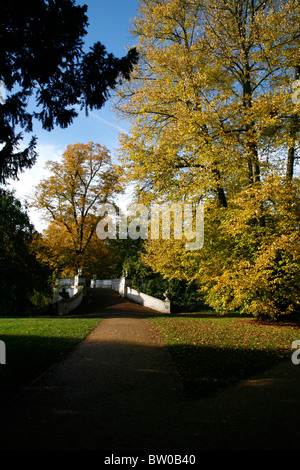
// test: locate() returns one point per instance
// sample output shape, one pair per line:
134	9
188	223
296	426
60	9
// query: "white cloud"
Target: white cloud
24	187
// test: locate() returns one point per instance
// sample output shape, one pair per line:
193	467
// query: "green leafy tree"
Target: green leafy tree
22	278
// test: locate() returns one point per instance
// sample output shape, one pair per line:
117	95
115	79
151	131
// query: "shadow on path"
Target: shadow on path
119	391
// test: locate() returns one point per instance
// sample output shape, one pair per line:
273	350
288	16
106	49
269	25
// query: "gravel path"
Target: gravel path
120	391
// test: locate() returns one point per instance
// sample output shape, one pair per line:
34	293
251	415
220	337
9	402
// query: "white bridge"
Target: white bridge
71	292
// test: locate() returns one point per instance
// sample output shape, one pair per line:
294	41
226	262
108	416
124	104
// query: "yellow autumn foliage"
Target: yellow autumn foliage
213	121
70	198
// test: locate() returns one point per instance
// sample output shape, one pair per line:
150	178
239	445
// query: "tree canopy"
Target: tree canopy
47	74
69	199
213	120
22	276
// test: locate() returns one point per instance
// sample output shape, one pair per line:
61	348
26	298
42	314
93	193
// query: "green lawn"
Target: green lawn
34	344
212	351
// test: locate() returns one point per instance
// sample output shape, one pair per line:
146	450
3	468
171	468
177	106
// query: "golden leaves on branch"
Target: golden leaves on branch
70	197
213	120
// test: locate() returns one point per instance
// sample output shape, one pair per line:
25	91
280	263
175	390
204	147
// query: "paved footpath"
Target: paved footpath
119	391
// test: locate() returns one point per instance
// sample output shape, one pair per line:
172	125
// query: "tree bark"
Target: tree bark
294	125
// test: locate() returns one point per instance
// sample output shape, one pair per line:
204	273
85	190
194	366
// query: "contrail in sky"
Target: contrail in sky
109	123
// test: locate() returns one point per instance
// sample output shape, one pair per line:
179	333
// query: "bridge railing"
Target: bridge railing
123	286
69	293
66	306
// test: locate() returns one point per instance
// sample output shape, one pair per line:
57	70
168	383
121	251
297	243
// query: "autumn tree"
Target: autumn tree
55	249
70	199
213	120
47	75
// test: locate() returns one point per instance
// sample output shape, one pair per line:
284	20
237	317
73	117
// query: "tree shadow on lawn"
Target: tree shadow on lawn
204	370
27	358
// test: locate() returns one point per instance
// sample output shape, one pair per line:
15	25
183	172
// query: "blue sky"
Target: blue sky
109	23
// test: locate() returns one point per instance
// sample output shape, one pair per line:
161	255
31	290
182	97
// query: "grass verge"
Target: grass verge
35	344
212	351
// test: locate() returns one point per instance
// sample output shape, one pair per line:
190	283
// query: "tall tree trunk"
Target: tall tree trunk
290	163
222	201
251	145
294	125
